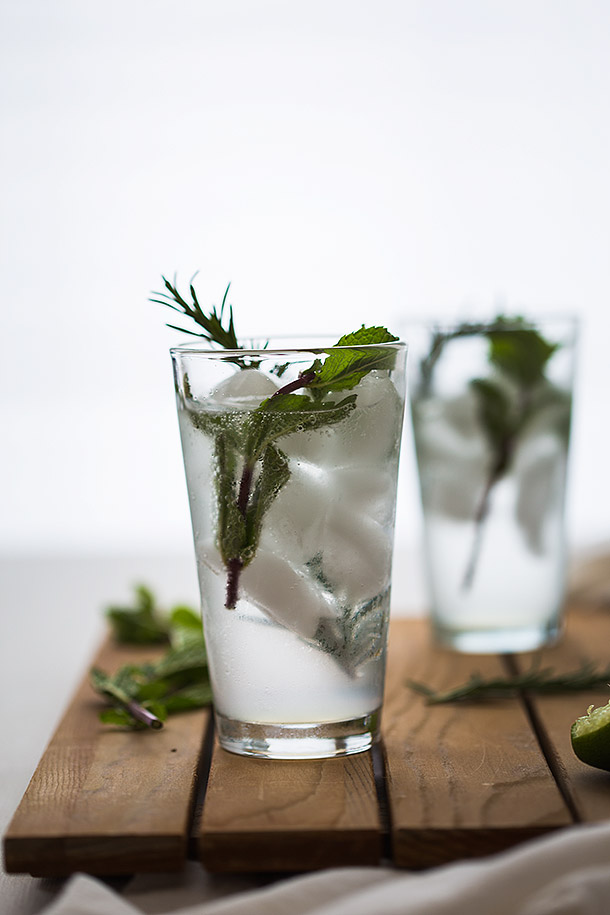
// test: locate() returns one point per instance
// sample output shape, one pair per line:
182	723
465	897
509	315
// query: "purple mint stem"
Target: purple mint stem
301	382
235	565
146	717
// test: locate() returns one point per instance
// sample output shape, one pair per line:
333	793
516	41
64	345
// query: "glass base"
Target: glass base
496	641
298	741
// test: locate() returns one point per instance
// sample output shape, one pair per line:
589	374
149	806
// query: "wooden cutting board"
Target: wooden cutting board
447	782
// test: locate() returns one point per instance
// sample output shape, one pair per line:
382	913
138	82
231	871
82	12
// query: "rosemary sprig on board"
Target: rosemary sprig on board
542	681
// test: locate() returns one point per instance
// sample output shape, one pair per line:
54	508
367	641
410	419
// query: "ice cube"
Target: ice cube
372	431
355	555
288	596
368	490
246	389
272	584
293	524
317	446
452	455
540	470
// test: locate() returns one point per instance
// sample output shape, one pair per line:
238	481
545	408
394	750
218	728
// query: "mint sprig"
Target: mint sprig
143	695
343	369
506	401
250	466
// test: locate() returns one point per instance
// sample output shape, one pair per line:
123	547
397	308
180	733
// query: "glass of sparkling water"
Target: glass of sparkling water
292	491
491	407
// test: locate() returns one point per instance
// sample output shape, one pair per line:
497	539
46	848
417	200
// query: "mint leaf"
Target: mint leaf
142	695
118	716
274	474
342	370
139	624
279	416
521	353
141	714
231	526
186	627
495	411
196	695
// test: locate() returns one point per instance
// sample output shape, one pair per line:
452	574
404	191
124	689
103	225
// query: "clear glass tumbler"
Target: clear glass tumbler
491	407
292	491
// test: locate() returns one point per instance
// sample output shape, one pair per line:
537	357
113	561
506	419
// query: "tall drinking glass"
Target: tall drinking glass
491	407
292	491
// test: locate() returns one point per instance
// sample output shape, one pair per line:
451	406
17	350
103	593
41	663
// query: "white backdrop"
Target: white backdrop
338	161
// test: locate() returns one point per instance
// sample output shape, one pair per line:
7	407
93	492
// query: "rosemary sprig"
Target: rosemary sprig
213	330
543	681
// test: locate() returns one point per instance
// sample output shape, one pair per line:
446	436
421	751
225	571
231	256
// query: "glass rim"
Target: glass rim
447	322
317	347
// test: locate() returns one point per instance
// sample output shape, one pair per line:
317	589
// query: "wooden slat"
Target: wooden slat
107	801
289	815
586	638
464	779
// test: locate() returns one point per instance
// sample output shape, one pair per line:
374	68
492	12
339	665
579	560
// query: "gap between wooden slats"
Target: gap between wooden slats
586	638
463	780
104	800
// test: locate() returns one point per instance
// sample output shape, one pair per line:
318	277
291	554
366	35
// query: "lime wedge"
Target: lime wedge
591	737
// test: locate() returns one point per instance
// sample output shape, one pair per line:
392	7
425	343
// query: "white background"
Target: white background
338	162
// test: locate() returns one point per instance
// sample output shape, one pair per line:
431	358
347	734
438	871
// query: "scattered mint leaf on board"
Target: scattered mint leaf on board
143	695
140	624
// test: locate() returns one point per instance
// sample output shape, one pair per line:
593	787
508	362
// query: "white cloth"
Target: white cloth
566	873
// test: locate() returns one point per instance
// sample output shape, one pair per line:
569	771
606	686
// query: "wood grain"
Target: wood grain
108	801
463	779
289	815
586	638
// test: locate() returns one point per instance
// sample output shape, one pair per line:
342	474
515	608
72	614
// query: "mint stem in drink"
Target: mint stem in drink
235	565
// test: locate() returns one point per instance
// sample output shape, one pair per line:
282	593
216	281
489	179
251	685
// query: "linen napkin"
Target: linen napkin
565	873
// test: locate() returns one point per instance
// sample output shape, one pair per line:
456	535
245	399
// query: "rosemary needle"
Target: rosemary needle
535	680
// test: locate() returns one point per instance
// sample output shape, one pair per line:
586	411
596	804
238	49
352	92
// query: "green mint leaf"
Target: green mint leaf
274	474
142	695
186	627
343	370
355	637
367	336
197	695
156	689
231	524
139	624
495	411
191	658
118	716
108	686
521	353
280	416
